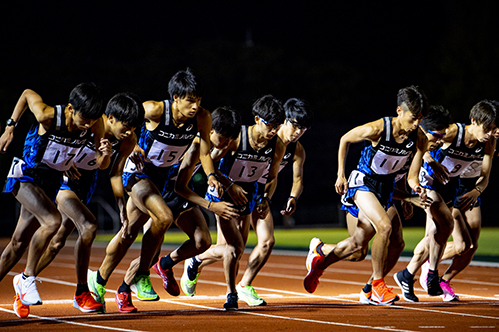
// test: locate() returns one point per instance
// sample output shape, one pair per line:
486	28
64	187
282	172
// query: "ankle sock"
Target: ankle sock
166	262
100	280
124	288
367	288
81	288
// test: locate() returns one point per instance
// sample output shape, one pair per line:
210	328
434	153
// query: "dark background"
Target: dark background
348	59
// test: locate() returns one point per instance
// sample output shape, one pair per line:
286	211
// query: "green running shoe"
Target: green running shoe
188	286
98	291
248	294
142	287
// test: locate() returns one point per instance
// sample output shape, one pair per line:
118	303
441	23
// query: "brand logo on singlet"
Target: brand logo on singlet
189	128
287	156
478	150
411	143
185	205
269	150
83	133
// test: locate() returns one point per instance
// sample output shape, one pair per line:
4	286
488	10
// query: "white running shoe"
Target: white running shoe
26	289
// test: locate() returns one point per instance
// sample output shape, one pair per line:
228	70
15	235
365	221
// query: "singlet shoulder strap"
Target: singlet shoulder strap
58	118
460	134
244	137
388	128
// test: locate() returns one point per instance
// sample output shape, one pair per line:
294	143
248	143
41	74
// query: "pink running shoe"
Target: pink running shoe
449	294
423	278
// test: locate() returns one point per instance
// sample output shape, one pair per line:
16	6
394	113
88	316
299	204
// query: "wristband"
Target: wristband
212	173
479	190
230	185
209	204
296	199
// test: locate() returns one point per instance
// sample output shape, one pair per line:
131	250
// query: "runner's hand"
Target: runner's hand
224	209
341	185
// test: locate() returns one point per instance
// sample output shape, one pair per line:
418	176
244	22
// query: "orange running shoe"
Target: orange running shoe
86	303
381	294
21	310
124	302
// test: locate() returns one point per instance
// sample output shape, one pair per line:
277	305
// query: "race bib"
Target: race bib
247	170
16	168
163	155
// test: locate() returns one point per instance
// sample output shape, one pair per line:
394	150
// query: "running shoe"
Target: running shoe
124	302
449	294
169	282
189	285
142	287
86	303
231	303
21	310
423	279
366	298
97	290
315	256
26	289
383	295
407	287
433	283
248	294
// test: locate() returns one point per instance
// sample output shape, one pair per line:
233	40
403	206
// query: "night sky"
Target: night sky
348	59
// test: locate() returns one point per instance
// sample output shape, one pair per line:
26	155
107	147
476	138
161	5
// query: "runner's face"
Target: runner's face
435	138
266	129
484	134
292	130
120	130
188	106
81	122
408	121
219	141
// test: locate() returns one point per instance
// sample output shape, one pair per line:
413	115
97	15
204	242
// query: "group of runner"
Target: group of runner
150	178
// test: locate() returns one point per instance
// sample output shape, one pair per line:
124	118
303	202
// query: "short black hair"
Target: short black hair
269	109
299	110
415	100
438	118
87	100
484	113
184	83
126	107
226	122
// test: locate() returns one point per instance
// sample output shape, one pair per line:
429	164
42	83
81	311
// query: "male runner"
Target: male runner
370	188
462	145
124	112
242	164
49	149
170	127
299	118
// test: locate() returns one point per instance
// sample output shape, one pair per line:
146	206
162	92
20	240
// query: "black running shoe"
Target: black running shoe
231	303
433	283
192	269
407	287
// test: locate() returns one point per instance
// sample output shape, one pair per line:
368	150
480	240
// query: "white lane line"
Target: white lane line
59	320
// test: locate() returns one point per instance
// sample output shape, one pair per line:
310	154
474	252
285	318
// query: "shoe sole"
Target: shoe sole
75	305
141	298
